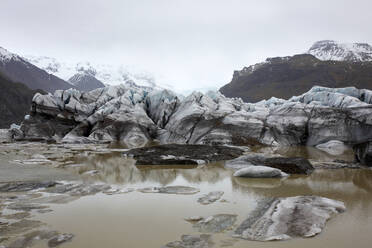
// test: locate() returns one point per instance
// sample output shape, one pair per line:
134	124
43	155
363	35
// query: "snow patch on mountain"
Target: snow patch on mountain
109	74
332	50
5	55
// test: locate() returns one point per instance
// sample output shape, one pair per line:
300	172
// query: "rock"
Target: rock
17	216
15	132
181	190
60	239
286	218
286	165
182	154
194	218
91	172
115	191
24	186
19	227
210	197
25	206
78	189
192	241
216	223
5	136
55	199
74	139
28	239
44	211
35	159
363	153
259	172
333	147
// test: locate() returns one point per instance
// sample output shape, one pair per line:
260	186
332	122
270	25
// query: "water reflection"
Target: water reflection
115	169
307	152
348	185
354	187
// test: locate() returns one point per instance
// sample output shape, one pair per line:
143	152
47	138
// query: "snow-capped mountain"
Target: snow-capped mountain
109	74
332	50
17	69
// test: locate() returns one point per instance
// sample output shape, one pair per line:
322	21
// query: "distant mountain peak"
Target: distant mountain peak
333	50
84	81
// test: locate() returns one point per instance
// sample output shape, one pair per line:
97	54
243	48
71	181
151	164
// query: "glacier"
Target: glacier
136	115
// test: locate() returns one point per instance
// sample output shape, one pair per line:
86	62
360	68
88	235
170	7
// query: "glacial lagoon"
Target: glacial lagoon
124	216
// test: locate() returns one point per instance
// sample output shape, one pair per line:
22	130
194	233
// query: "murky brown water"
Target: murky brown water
152	220
138	220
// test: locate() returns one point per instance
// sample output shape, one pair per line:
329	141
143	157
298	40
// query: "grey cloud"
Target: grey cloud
190	43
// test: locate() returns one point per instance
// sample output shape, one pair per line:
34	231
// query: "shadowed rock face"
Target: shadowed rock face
182	154
363	153
137	115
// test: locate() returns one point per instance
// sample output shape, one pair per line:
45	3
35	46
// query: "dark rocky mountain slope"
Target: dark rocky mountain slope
18	69
15	101
284	77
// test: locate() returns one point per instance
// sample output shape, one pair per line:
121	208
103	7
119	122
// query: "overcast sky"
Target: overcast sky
187	43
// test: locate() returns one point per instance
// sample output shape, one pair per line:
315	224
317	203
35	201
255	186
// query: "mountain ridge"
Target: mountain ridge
18	69
327	63
283	77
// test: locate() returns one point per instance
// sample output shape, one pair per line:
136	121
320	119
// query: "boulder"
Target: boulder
259	172
287	165
172	154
